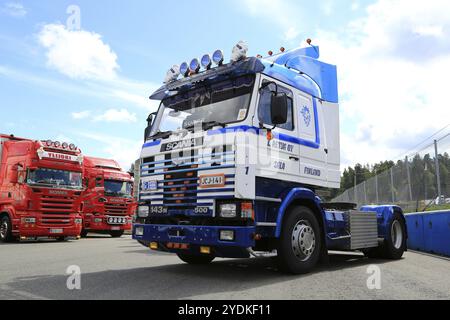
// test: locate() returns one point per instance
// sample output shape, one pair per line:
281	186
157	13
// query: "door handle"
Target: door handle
294	158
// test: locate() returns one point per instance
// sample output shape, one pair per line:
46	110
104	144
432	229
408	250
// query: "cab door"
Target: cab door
312	157
280	151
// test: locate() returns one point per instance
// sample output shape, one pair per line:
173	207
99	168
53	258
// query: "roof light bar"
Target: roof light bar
184	69
218	57
194	66
206	61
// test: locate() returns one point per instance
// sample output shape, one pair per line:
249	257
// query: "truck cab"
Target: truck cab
234	158
108	203
40	189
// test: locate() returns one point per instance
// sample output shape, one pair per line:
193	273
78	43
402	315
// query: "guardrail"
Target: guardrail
429	232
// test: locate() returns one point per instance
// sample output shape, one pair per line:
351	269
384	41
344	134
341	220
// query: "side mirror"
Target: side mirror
279	108
21	176
148	129
14	174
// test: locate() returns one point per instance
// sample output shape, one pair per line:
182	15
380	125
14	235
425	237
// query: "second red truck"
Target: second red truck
108	198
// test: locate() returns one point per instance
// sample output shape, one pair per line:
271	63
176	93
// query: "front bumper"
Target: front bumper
31	231
195	235
91	225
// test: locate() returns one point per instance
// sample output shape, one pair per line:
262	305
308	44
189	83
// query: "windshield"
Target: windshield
55	178
220	103
115	188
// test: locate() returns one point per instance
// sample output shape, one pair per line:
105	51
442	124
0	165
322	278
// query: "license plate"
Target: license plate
55	231
212	181
115	228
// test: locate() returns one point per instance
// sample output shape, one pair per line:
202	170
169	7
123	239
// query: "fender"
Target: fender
293	195
385	215
9	210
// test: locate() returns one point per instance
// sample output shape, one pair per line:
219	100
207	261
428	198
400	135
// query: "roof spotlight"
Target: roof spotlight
194	66
218	57
48	143
172	74
184	69
206	61
57	144
65	145
72	146
239	51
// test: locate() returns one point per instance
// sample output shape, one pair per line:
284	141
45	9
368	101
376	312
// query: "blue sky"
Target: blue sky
90	86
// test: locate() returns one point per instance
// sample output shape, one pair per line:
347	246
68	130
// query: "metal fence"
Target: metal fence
417	182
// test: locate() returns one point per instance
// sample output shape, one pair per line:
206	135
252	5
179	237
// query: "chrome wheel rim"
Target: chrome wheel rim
397	234
303	240
4	229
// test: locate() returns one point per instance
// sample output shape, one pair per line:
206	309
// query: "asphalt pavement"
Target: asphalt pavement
123	269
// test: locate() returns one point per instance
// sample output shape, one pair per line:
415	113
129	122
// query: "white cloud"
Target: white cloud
283	13
327	7
115	115
78	54
391	80
124	151
14	9
81	115
110	115
355	6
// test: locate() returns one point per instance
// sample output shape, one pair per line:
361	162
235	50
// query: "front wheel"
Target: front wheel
300	242
196	260
117	233
84	233
6	230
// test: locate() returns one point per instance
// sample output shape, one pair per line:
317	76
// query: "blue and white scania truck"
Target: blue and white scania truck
235	156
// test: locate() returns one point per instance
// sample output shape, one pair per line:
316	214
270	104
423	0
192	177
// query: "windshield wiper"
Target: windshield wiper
208	125
162	135
211	124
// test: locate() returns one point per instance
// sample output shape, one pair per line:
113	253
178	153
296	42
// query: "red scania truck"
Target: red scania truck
40	189
108	203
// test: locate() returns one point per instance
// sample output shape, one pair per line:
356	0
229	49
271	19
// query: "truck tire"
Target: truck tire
84	233
117	233
6	230
196	260
394	246
300	242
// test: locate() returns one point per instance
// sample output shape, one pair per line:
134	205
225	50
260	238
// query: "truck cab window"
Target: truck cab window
220	103
264	107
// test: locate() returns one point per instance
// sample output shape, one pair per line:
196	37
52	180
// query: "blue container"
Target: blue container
437	232
429	232
416	239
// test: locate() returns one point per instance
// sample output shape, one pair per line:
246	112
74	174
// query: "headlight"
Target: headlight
228	210
143	211
226	235
78	221
98	220
139	231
